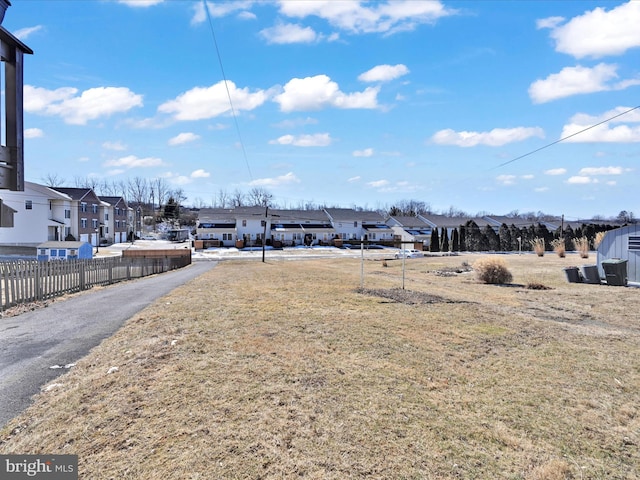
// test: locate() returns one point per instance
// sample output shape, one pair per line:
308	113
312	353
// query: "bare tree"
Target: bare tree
259	197
138	191
237	198
222	200
53	180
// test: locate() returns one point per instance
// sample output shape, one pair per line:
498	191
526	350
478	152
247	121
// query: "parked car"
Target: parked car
409	253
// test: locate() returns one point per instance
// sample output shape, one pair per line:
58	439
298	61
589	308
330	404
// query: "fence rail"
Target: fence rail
25	281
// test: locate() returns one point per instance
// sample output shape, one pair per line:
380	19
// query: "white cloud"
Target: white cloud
24	33
606	132
222	9
598	33
354	179
384	73
116	146
78	110
541	189
33	133
580	180
286	179
182	138
140	3
200	173
549	22
495	138
602	171
201	103
378	183
367	152
556	171
316	140
132	161
506	179
285	33
315	93
578	80
380	17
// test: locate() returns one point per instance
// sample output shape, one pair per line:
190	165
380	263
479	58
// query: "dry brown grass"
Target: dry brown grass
285	369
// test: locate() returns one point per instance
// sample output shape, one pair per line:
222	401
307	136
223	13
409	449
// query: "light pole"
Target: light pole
97	240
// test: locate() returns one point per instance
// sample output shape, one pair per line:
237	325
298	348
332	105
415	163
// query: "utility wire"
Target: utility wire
565	138
224	77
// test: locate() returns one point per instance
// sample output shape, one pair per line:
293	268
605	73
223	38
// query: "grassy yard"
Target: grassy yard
288	369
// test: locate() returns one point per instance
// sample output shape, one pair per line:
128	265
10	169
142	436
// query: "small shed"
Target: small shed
64	250
623	244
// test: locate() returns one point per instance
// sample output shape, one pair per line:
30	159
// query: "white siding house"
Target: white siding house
42	214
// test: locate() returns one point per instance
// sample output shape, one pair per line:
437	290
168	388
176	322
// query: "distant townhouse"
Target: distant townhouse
86	225
41	214
218	226
410	230
301	227
253	225
115	218
352	224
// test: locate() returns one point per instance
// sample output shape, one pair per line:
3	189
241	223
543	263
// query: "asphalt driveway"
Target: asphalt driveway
65	331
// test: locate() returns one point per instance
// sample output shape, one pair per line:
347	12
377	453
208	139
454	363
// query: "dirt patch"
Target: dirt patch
408	297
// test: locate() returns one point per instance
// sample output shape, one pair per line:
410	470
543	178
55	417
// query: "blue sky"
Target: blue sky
347	103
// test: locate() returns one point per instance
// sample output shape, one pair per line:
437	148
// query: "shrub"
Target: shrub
538	246
559	247
598	240
582	245
492	270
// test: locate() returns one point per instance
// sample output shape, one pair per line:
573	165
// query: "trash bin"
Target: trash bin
573	275
590	274
615	271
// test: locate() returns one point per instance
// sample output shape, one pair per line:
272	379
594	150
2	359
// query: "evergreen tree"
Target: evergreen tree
455	240
473	236
491	240
463	239
505	238
435	241
444	246
171	209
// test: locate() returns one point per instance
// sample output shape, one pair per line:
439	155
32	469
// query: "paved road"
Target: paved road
65	331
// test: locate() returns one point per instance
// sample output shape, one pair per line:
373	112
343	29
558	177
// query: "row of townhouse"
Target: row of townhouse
40	214
254	225
251	225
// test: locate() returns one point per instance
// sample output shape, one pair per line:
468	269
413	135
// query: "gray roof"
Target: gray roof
350	215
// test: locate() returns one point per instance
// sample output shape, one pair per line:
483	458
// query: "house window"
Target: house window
372	236
67	213
54	253
94	208
244	223
106	216
83	207
106	230
50	205
43	251
28	204
94	222
355	224
62	253
117	224
83	222
227	236
73	253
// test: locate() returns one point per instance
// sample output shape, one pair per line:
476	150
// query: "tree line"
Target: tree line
509	238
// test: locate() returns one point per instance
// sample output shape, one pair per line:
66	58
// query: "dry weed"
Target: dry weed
283	370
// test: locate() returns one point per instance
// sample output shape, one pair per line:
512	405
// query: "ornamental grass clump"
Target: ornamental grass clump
538	246
582	245
559	247
493	271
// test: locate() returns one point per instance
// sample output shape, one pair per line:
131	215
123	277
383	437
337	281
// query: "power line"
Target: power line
224	77
565	138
